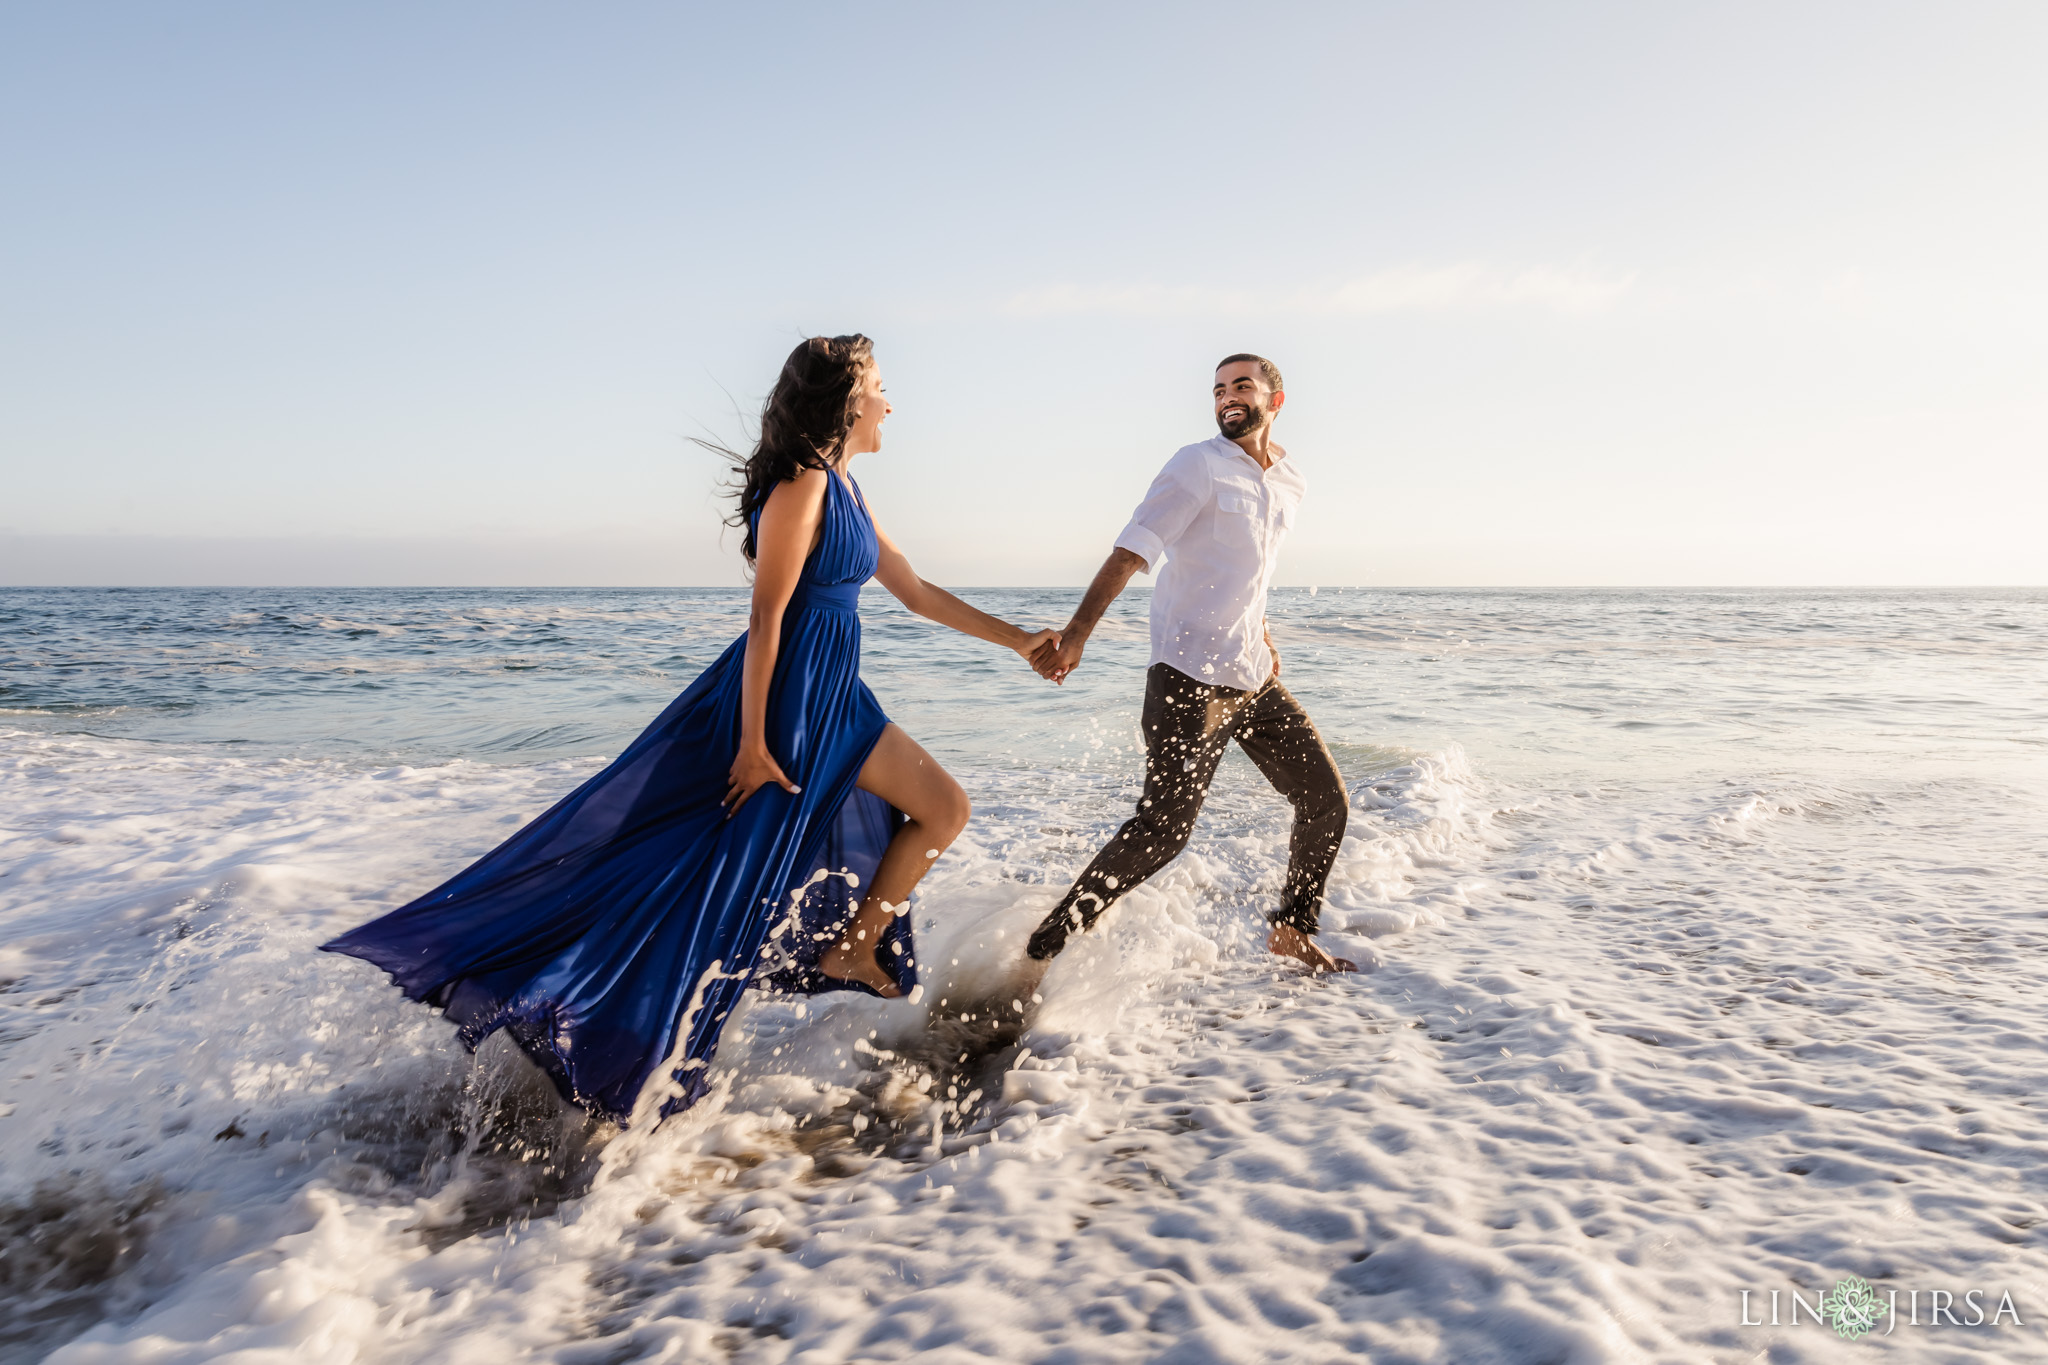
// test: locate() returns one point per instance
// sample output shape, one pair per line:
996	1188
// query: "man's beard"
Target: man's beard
1234	427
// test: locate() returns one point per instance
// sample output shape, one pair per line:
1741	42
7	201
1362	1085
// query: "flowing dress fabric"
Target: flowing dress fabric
634	909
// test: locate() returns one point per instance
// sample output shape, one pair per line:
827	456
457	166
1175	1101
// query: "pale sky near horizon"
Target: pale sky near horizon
1565	294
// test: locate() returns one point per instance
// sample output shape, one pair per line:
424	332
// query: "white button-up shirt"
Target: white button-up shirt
1217	520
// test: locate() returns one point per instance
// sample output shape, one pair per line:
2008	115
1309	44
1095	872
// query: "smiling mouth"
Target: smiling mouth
1236	410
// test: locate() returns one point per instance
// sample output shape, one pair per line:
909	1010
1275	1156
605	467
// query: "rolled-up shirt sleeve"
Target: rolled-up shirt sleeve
1170	504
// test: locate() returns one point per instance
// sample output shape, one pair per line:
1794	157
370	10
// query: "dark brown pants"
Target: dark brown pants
1188	724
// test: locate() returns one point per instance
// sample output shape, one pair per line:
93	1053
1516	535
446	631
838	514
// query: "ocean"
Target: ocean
1703	936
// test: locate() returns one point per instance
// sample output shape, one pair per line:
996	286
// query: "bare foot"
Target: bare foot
853	959
1287	941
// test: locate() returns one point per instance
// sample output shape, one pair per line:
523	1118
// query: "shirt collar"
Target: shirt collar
1230	447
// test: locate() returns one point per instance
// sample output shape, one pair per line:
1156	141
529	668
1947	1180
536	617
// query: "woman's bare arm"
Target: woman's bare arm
935	603
788	528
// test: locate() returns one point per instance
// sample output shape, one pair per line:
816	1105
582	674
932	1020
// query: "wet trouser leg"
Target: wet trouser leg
1187	724
1278	736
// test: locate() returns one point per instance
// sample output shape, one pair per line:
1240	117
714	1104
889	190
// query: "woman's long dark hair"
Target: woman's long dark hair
804	423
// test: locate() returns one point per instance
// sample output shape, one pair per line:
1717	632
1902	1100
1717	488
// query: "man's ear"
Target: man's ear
1279	401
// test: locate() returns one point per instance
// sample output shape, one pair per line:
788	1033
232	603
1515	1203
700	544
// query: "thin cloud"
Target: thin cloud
1467	287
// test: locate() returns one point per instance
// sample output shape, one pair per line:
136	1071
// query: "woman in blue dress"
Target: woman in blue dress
768	826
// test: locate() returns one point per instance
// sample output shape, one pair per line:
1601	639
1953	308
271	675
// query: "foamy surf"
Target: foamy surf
217	1092
1634	1041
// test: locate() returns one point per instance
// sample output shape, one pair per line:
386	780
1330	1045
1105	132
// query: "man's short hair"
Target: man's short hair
1268	371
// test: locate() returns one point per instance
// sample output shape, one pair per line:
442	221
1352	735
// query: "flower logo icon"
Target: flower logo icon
1851	1307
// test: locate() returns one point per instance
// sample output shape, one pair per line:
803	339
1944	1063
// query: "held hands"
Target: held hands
1059	656
1036	643
751	771
1038	648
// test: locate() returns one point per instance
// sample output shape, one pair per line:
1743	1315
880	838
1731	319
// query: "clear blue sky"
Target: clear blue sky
1613	293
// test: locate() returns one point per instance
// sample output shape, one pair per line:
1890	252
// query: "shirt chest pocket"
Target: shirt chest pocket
1238	517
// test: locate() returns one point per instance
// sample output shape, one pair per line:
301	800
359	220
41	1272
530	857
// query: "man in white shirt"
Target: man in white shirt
1216	515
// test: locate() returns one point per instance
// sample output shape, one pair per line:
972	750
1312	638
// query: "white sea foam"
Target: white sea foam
1626	1046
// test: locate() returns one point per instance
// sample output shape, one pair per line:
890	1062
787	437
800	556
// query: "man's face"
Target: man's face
1244	405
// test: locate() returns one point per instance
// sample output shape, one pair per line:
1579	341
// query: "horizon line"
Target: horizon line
1311	589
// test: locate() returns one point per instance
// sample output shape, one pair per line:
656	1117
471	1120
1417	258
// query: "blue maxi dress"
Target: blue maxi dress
634	909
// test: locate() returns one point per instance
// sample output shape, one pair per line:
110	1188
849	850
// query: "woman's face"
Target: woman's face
870	408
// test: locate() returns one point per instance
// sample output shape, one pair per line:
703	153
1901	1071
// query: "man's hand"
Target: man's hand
1054	665
1059	657
1271	647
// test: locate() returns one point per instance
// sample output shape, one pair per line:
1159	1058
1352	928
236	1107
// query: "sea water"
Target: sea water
1705	949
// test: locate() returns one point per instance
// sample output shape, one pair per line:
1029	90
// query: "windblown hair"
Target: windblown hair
804	423
1268	371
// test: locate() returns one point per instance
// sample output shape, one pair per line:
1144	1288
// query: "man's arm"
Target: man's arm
1110	579
1179	491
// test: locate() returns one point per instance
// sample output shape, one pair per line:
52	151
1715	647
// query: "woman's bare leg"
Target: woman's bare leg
911	780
